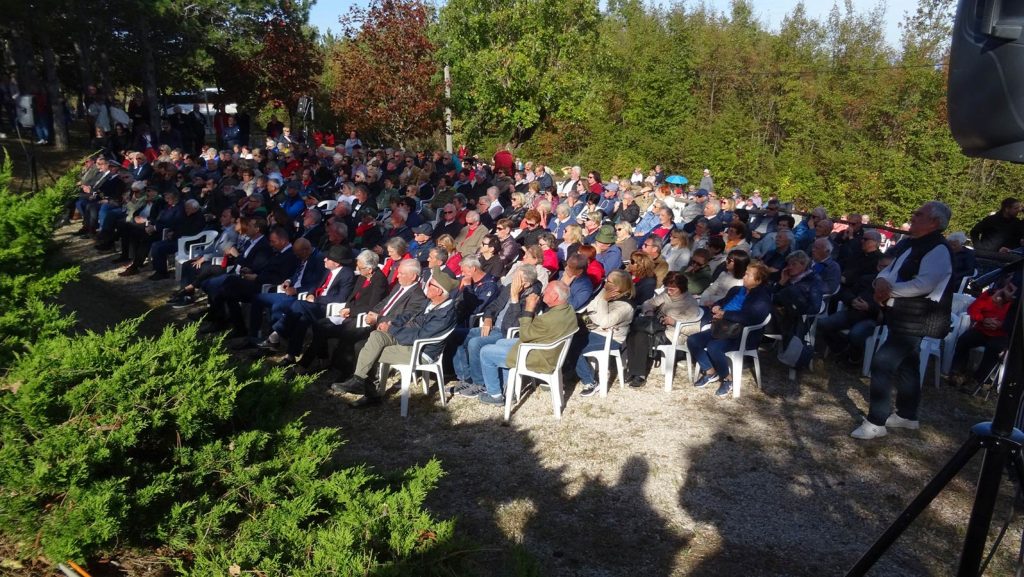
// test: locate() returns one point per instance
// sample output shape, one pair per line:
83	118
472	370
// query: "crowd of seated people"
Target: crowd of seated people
415	245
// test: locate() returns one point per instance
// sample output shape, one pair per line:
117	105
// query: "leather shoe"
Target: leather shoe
354	384
130	270
159	276
365	401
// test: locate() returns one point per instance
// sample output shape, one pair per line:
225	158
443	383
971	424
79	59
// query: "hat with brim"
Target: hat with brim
341	254
606	235
443	280
424	228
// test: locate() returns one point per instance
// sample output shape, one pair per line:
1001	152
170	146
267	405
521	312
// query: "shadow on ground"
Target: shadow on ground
645	482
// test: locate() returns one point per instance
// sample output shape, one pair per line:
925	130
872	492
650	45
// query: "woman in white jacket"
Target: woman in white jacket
677	252
610	312
735	267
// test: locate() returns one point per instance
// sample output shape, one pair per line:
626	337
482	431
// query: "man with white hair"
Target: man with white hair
391	342
569	184
825	266
706	182
470	237
917	293
558	321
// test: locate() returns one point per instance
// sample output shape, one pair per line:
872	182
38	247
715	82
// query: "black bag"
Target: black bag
647	324
723	329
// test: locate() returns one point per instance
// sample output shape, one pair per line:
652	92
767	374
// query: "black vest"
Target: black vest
920	316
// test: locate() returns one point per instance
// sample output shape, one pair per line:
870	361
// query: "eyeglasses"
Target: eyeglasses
449	212
531	224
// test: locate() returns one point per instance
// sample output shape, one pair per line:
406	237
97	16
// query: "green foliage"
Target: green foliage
821	112
111	440
27	288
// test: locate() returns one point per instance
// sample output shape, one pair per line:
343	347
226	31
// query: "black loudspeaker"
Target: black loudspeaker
986	79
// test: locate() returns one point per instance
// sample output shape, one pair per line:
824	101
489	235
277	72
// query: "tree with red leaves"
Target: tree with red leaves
275	57
384	72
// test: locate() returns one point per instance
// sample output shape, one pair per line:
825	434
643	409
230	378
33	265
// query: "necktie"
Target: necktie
327	283
391	303
298	274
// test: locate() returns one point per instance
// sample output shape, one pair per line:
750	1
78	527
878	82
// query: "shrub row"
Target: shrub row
112	442
27	288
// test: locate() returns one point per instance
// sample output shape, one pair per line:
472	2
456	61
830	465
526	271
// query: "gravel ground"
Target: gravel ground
648	482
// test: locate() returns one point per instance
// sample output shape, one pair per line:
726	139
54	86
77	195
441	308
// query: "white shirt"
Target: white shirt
932	277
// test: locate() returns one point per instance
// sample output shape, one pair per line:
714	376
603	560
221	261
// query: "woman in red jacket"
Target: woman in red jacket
988	313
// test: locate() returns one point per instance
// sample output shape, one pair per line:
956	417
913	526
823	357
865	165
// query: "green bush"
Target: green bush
27	288
111	440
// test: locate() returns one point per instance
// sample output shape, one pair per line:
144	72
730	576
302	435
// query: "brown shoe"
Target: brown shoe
130	270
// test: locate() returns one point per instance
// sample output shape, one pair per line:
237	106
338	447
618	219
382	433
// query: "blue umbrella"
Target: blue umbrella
676	179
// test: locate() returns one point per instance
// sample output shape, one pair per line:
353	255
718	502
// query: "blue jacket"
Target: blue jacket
756	306
610	259
581	290
313	274
474	299
829	273
407	328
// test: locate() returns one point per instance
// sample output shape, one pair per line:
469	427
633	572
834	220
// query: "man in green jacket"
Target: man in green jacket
557	322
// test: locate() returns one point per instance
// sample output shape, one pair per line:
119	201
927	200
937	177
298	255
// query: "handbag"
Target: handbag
647	324
723	329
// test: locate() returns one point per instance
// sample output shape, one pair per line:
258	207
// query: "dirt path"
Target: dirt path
646	482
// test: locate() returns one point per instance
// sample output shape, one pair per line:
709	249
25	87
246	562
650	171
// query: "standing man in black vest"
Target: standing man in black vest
916	292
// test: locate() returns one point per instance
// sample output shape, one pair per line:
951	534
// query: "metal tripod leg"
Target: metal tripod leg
918	505
999	451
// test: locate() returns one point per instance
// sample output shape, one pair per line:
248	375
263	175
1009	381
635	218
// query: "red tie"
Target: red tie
323	288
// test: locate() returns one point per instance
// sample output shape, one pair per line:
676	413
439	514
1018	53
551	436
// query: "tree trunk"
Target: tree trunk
21	50
149	91
60	128
83	49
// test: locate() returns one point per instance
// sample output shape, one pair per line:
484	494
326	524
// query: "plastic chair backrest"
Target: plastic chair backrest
750	329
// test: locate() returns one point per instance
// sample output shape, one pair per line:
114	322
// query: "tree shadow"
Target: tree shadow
819	507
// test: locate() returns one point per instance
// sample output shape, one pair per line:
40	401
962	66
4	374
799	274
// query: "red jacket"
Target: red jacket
985	307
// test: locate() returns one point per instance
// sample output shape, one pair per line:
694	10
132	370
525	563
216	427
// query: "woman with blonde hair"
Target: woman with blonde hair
572	240
608	314
446	242
624	238
677	252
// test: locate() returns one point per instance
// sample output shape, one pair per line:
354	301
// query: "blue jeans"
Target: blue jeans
108	214
828	330
160	251
493	365
896	365
278	304
709	352
595	342
466	359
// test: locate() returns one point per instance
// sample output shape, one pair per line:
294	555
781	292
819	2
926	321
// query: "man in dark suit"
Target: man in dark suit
190	223
243	287
391	342
406	298
313	226
336	288
307	276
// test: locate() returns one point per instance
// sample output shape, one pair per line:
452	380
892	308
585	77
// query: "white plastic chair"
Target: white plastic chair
737	358
931	348
419	362
670	350
514	387
190	247
603	359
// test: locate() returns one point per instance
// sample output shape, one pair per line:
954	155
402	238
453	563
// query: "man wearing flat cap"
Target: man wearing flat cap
391	342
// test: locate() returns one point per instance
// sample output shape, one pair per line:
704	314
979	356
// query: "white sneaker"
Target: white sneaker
868	430
897	422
